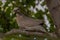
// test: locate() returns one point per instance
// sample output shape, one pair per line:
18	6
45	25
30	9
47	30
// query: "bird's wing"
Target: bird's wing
27	21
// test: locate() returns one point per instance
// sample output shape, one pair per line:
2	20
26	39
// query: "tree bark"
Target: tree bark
54	8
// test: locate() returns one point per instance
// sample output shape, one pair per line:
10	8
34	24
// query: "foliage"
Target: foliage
26	37
7	18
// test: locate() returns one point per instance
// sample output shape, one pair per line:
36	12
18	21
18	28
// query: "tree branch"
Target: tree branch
14	31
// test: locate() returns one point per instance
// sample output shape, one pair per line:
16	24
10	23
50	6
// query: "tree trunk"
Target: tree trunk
54	8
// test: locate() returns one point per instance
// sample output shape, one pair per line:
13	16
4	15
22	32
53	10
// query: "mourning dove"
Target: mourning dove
27	23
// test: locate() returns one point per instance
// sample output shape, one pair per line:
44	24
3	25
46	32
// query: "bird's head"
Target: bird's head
18	11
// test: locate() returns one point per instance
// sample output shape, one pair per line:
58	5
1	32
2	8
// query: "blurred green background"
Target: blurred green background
33	8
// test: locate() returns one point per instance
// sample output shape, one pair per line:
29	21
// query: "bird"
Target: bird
27	23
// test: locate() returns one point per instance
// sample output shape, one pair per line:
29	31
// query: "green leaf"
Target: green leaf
0	3
6	5
39	14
